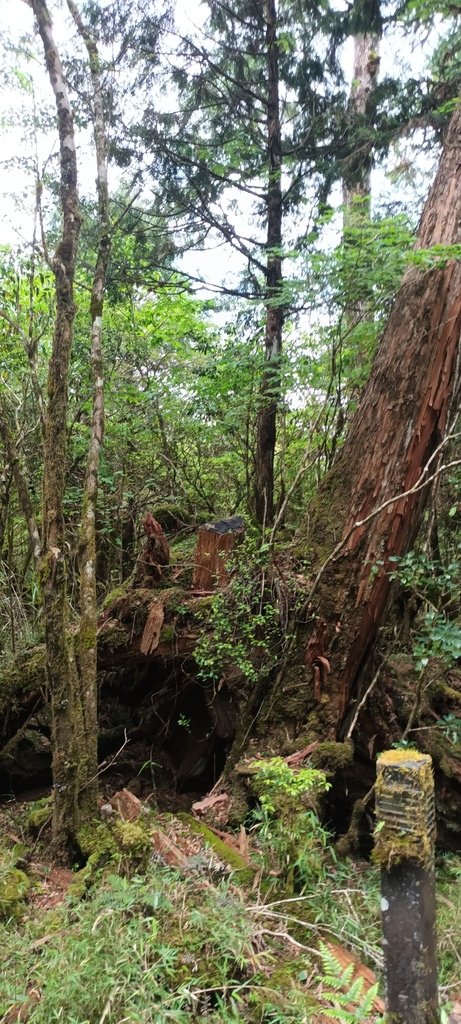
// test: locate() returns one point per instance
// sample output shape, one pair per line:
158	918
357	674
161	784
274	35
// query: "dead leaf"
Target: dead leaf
371	744
244	846
167	850
42	941
20	1012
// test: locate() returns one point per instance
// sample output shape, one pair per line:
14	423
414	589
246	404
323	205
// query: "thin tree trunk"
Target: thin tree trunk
17	471
6	479
270	385
357	170
61	668
86	643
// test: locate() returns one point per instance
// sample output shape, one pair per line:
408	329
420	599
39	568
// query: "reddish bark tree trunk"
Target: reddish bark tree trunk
398	426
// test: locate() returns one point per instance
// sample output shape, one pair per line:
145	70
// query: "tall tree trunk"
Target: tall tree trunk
61	668
396	430
270	385
366	40
86	641
370	507
357	170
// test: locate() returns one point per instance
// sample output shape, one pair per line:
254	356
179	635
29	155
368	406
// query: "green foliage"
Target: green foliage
14	883
352	1002
166	947
283	790
436	586
123	954
290	835
450	725
241	623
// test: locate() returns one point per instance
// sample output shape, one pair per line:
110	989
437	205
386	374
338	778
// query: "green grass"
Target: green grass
170	947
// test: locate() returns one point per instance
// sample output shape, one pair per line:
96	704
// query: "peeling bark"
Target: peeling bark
400	422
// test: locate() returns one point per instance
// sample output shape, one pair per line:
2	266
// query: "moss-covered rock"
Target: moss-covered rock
97	843
14	887
122	846
332	757
38	814
134	846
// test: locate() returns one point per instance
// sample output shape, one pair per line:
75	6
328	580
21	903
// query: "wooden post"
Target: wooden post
405	840
214	542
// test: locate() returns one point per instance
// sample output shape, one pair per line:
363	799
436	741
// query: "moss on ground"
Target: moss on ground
38	814
234	860
14	887
332	757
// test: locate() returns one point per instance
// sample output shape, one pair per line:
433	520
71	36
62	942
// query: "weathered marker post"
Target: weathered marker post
404	847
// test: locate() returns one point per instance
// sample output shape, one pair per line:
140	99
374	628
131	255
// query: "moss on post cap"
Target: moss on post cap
404	808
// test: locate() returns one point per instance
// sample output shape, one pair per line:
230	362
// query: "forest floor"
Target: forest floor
187	924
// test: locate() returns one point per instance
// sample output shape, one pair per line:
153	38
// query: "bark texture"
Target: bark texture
356	177
357	169
270	385
86	641
400	422
61	668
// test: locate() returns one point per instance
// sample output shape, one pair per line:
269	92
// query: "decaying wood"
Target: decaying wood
154	556
215	541
126	804
151	635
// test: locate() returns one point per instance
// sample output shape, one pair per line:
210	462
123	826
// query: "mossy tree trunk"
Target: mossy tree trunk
70	659
86	641
61	667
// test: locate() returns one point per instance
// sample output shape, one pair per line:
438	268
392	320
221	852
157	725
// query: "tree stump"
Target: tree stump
214	543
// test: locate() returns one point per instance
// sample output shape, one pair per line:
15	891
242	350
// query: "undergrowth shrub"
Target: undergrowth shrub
291	837
241	623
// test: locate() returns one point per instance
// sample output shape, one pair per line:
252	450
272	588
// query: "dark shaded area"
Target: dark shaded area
158	722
